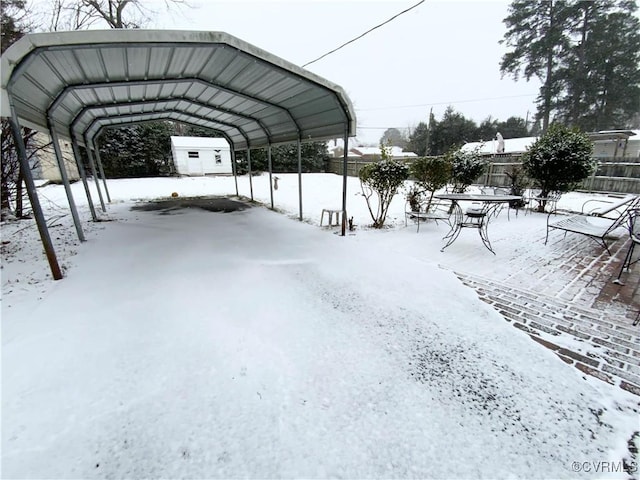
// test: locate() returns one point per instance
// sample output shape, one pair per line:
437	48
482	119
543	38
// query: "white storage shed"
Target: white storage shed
201	156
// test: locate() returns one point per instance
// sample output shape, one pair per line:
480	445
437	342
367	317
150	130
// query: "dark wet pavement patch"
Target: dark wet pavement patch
174	205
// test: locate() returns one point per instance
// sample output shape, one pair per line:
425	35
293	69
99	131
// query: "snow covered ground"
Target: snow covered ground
188	343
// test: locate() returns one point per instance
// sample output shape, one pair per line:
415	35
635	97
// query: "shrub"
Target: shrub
466	167
431	174
518	184
382	178
559	160
414	197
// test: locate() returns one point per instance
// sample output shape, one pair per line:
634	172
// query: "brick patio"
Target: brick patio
569	303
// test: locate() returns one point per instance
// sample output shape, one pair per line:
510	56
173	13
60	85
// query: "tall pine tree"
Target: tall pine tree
602	74
587	55
538	39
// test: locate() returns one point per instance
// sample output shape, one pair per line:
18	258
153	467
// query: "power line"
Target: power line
444	103
377	128
362	35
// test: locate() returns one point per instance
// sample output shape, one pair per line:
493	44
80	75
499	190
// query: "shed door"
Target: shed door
194	163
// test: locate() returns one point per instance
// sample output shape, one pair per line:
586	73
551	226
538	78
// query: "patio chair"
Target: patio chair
633	217
514	204
596	227
438	211
487	191
550	201
634	235
606	207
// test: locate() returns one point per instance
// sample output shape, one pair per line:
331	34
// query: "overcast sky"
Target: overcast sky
440	53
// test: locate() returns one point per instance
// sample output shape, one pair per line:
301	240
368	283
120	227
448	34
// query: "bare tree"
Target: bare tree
11	184
18	19
68	15
83	14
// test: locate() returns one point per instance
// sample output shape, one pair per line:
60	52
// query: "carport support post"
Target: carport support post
250	173
235	170
300	177
270	174
65	180
344	182
104	179
96	180
33	196
83	176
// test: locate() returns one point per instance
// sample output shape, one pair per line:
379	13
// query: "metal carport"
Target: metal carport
73	84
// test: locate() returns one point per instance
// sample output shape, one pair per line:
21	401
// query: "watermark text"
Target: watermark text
605	467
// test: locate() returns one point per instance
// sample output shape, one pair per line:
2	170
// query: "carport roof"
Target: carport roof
78	82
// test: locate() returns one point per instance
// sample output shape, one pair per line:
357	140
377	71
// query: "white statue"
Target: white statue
500	143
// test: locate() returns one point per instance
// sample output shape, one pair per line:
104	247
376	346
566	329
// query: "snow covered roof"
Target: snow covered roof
394	151
625	132
606	135
520	145
511	145
195	142
339	143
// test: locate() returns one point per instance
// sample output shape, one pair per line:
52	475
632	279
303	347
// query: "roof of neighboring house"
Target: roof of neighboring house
195	142
394	151
356	149
339	143
520	145
511	145
604	135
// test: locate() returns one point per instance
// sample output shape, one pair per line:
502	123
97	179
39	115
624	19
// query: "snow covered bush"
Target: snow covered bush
466	167
430	174
413	195
559	160
382	178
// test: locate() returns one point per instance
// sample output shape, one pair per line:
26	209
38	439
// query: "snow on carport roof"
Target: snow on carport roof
83	78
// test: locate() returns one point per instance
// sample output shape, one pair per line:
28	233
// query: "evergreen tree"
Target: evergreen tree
142	150
453	130
394	137
487	129
538	39
602	75
587	55
195	131
284	158
115	146
155	140
418	139
513	127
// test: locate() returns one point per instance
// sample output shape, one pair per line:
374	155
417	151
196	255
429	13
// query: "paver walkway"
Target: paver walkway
597	343
564	298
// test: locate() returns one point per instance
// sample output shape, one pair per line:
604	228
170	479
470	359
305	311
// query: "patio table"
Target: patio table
473	217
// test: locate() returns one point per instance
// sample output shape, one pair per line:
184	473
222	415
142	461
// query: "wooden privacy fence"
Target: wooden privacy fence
619	175
612	175
334	165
